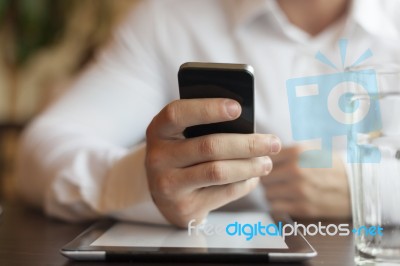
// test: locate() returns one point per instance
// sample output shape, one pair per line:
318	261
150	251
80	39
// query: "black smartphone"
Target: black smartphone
217	80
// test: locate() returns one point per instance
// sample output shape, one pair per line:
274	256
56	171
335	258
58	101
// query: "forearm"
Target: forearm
75	176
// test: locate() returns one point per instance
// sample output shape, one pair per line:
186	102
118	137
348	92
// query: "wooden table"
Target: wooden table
27	237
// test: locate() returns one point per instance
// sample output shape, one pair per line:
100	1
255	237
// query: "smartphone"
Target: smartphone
217	80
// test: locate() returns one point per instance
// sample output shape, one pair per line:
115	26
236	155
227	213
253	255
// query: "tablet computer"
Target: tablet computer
225	236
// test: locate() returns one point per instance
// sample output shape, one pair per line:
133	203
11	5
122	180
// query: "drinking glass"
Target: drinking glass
374	147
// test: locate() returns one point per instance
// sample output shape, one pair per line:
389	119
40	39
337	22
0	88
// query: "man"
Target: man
112	145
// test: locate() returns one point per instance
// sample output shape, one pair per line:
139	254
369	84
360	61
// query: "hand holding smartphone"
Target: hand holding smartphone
217	80
190	177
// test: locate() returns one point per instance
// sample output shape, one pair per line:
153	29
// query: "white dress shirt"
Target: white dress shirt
84	156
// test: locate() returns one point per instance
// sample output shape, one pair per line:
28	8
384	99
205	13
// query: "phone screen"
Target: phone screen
205	80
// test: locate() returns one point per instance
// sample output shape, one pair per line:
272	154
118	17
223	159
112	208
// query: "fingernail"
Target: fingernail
232	108
267	164
275	145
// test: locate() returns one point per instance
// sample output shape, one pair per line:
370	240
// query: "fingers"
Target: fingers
282	173
180	114
223	172
295	197
204	200
215	197
289	182
287	154
189	177
223	147
295	190
309	193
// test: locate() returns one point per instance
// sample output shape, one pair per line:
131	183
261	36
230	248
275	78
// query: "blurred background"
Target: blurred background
44	44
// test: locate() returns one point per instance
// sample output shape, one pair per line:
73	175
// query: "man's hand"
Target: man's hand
190	177
307	192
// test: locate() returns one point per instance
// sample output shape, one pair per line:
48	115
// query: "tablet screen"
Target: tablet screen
221	230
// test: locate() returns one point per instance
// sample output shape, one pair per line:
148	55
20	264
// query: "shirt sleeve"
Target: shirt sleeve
83	158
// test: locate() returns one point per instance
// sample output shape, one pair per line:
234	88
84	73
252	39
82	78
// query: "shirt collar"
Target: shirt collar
245	12
370	15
